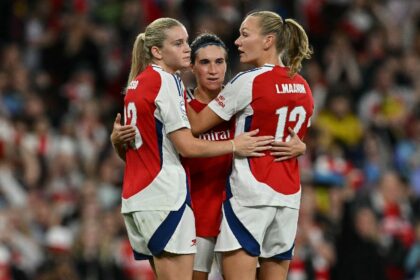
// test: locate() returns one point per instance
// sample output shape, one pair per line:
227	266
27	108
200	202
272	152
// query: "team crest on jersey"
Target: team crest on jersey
133	85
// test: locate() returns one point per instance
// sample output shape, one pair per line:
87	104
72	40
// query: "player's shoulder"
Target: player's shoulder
303	80
165	76
171	80
251	74
300	78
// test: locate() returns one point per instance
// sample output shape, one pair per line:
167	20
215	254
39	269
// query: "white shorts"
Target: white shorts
205	257
152	232
263	231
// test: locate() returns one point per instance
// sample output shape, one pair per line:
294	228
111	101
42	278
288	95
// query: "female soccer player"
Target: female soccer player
155	198
261	212
208	175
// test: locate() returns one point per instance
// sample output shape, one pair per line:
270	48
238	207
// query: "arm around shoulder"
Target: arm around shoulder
202	121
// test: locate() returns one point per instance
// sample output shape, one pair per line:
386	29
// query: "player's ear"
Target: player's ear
156	53
268	41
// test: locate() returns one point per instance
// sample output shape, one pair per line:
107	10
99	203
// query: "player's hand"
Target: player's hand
290	149
248	144
122	134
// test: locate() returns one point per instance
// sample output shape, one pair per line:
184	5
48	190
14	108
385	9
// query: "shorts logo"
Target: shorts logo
193	242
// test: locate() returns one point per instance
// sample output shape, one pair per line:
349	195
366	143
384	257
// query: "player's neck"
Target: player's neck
165	67
205	96
270	58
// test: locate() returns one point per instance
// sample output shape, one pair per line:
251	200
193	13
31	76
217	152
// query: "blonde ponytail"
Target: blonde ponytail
138	57
297	46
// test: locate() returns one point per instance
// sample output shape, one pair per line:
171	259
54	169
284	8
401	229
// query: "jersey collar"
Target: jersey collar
268	65
156	66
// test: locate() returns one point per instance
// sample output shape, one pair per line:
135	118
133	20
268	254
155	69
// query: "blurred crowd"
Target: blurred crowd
63	65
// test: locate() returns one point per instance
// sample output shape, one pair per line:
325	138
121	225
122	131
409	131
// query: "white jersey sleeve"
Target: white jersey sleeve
236	95
170	103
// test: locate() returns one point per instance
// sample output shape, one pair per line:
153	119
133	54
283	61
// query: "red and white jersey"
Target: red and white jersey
154	178
208	178
268	99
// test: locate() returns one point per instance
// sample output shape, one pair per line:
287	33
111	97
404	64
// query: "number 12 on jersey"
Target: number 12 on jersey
130	113
297	114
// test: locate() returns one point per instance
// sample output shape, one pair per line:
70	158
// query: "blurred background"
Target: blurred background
64	64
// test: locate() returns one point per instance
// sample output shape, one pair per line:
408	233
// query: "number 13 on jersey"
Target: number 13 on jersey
297	114
130	114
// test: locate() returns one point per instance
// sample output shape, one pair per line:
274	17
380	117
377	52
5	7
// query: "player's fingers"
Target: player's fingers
282	158
256	154
265	142
252	132
127	128
264	138
291	131
262	148
127	137
118	119
280	154
280	149
281	144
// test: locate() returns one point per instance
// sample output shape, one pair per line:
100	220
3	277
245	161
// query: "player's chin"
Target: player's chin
186	63
243	59
213	86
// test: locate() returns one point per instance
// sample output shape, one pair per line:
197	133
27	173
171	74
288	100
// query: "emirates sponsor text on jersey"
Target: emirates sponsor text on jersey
215	135
290	88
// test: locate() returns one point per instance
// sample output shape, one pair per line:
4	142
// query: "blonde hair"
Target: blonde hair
154	35
291	40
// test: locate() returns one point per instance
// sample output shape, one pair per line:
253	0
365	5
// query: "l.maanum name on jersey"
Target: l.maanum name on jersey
290	88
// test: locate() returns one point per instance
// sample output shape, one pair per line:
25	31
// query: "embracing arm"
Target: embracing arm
121	136
203	121
246	144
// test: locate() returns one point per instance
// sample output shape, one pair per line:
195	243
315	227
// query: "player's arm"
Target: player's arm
246	144
232	99
202	121
121	136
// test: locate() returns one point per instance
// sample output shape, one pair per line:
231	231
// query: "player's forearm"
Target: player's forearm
203	121
197	124
204	148
120	150
189	146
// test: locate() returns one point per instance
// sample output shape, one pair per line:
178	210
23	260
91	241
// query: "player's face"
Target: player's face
175	52
210	67
250	41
